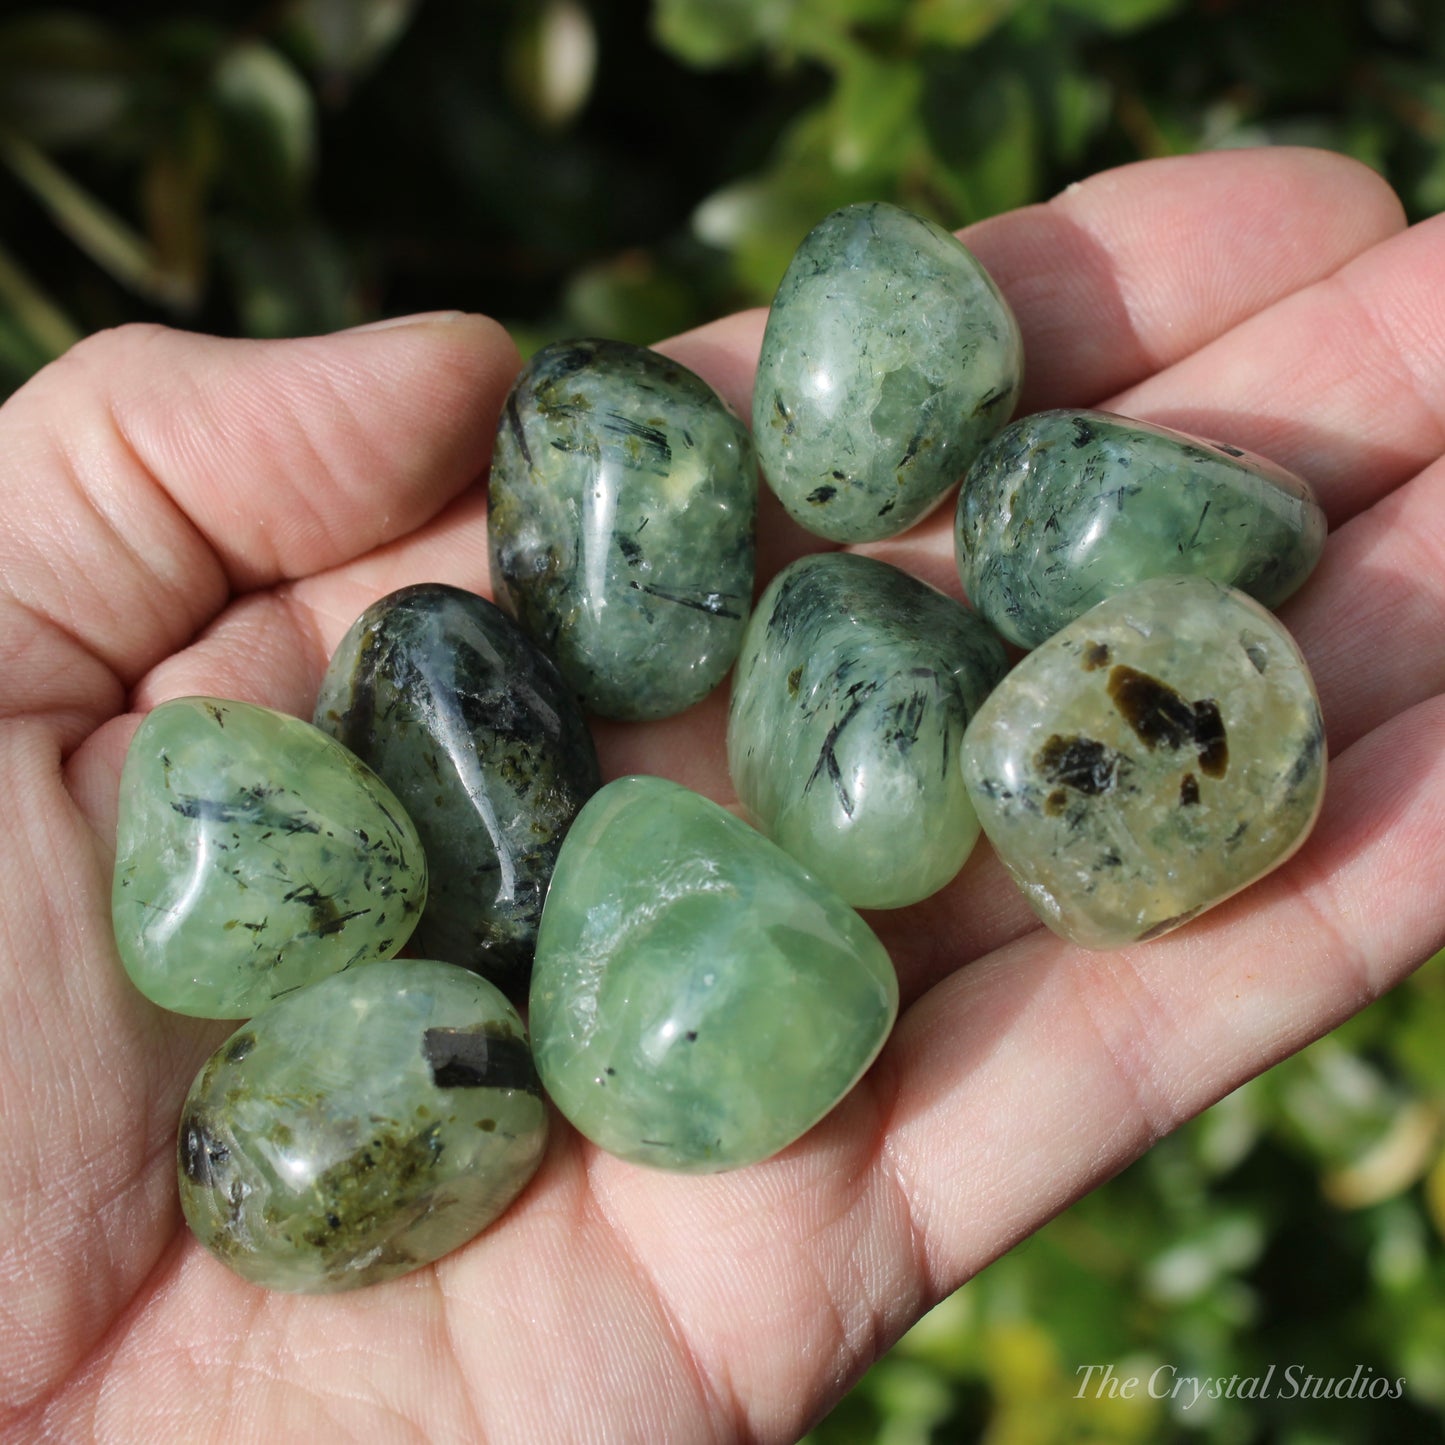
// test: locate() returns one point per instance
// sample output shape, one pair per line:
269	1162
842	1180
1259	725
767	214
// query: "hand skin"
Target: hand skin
183	514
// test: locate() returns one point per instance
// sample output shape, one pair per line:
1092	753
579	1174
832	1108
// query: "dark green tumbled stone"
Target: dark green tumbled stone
254	855
889	358
850	699
361	1128
1066	508
622	517
474	730
699	1000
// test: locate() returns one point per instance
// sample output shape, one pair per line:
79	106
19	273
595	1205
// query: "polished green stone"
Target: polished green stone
361	1128
889	358
622	515
254	854
1157	755
850	699
474	730
1066	508
699	1001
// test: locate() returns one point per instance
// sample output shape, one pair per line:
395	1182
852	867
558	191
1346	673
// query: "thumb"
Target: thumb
150	474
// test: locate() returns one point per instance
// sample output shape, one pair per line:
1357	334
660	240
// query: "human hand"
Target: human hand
186	515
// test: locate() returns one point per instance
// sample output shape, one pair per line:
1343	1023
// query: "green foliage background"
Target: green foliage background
595	166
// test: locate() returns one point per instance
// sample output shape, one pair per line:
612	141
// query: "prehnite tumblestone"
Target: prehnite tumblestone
1154	757
850	699
1066	508
699	1000
474	730
623	510
889	357
254	855
361	1128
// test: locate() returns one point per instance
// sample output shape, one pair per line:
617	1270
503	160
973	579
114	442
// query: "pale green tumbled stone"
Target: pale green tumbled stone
850	699
889	358
1066	508
254	855
622	515
699	1000
361	1128
1159	754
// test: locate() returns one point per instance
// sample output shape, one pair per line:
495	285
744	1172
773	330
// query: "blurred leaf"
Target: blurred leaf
957	24
36	330
552	54
65	78
1080	105
1390	1163
288	282
716	32
629	298
173	198
267	125
1120	15
983	128
1415	1040
913	1400
723	32
873	114
760	221
1196	1263
108	240
1435	1194
345	38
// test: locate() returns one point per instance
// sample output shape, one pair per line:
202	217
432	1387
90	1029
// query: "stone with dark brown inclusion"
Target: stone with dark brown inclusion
1160	753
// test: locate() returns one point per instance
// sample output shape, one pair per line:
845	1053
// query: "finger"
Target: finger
1371	618
1341	381
149	473
1137	267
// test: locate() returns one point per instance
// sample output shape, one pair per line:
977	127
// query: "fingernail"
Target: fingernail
422	318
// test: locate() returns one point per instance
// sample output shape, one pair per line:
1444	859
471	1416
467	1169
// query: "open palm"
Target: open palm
183	515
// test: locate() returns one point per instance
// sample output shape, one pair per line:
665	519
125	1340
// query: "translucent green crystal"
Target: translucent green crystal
474	729
622	511
254	855
699	1001
1066	508
1157	755
889	358
361	1128
850	699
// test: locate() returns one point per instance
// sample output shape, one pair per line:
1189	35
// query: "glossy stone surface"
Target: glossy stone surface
699	1001
361	1128
474	730
1157	755
254	855
622	517
1066	508
850	699
889	358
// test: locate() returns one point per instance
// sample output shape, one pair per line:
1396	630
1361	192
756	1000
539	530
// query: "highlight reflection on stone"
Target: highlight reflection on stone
477	734
622	512
699	1001
1066	508
850	699
254	855
1157	755
361	1128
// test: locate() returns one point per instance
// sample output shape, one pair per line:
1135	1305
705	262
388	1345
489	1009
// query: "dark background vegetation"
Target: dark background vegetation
596	166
